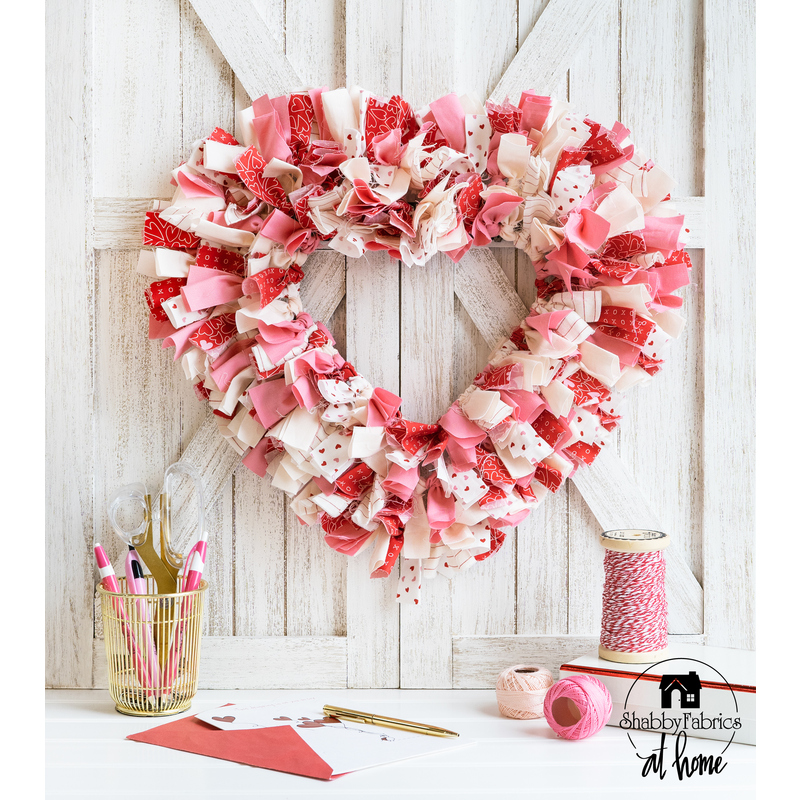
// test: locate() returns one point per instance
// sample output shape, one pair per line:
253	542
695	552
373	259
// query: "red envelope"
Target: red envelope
279	748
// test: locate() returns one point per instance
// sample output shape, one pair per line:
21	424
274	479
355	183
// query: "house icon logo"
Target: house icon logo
688	686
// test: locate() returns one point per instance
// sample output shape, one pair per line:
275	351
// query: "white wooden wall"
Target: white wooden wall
133	82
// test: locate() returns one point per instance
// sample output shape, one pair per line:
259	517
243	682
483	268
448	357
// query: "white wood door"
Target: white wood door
133	83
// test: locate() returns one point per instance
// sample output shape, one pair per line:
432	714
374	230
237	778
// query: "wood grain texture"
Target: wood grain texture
426	331
373	339
729	364
70	296
374	46
549	50
249	47
260	562
136	96
218	619
488	296
665	416
478	660
316	586
426	358
154	67
617	502
495	578
207	103
272	662
594	84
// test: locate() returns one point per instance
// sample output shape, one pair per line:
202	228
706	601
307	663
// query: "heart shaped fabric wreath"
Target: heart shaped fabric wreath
362	173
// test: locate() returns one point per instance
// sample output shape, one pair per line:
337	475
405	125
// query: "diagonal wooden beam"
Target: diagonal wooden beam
549	49
496	309
244	39
208	451
617	502
488	296
490	299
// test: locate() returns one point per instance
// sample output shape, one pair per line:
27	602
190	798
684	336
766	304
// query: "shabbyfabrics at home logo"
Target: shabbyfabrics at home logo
707	711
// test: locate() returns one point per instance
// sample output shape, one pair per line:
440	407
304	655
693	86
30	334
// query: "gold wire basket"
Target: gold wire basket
153	648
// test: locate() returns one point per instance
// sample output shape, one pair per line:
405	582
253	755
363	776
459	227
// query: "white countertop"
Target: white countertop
87	755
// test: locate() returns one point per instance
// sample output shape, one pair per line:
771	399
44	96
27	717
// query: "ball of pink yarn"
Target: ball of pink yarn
577	707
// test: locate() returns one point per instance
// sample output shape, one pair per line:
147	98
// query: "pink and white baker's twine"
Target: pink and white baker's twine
634	602
358	172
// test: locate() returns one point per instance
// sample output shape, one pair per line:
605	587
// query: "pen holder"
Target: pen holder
152	648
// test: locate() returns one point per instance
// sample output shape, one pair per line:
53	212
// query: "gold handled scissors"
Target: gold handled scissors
163	566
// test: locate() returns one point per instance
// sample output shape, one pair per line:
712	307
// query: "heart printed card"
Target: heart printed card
293	737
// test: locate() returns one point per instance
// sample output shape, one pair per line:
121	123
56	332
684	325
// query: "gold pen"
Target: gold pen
388	722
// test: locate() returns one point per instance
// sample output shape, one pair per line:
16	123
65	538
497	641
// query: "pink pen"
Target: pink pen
111	584
138	585
193	573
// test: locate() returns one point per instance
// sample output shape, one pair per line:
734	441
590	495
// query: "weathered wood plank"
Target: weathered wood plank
478	660
316	600
665	416
260	535
373	339
244	662
729	345
617	502
373	46
594	85
427	323
207	100
69	378
426	359
136	96
488	296
260	564
484	599
219	569
549	49
248	46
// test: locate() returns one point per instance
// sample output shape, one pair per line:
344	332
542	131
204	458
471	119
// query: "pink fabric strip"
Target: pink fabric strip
272	400
180	339
316	101
210	287
441	509
160	330
450	117
661	233
256	460
401	481
281	106
535	109
278	339
223	374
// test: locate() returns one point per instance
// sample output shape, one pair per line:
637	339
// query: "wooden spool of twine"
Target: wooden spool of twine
634	623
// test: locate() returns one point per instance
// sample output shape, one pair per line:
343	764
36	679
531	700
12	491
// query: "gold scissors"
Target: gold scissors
163	566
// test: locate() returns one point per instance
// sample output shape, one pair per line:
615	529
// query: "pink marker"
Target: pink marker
186	563
111	584
138	585
193	574
194	570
